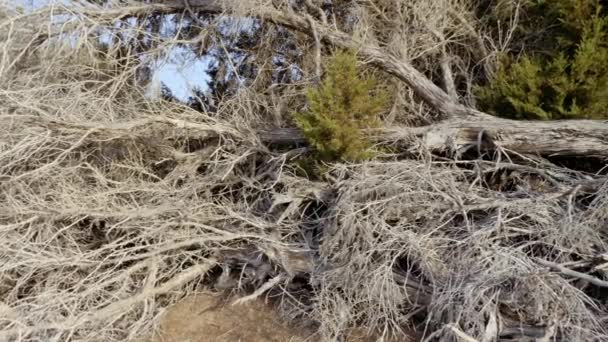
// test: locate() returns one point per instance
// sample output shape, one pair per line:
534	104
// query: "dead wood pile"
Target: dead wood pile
113	207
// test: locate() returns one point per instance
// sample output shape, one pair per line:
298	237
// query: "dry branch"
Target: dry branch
581	137
570	138
422	86
571	273
396	239
118	307
260	291
523	330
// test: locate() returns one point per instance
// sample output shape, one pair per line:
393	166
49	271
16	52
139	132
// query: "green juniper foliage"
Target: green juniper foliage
340	108
563	74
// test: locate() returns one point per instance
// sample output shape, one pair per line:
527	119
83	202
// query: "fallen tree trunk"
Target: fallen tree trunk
567	138
549	138
465	126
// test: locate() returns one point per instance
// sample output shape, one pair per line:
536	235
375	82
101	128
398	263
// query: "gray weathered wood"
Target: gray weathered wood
464	125
568	138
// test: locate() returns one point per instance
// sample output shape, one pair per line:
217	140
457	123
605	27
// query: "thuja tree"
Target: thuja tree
563	74
340	109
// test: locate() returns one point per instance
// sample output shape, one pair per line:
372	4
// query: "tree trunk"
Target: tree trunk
550	138
465	126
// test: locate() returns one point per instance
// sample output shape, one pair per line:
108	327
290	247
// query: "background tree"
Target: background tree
562	73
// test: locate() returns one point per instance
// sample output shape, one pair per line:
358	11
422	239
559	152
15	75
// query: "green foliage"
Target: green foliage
565	76
340	108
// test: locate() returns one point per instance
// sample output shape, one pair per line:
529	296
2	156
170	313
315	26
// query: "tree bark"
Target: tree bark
465	126
548	138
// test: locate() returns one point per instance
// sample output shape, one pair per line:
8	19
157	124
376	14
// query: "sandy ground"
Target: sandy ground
207	318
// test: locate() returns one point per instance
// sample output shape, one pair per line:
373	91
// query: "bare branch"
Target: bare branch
571	273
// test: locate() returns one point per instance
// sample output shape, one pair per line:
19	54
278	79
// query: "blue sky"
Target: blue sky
180	69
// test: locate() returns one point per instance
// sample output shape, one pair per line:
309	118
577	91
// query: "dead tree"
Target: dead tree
462	125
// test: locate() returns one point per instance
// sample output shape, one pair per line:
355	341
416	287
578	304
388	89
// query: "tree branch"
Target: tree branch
566	271
550	138
420	84
577	137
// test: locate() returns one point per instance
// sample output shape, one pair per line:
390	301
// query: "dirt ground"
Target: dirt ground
207	318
